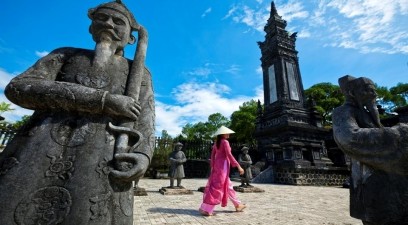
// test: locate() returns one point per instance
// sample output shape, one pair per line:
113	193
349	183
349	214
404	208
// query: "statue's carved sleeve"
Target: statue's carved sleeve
37	88
377	147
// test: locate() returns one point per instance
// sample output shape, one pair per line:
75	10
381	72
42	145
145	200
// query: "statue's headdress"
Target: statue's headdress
119	7
348	83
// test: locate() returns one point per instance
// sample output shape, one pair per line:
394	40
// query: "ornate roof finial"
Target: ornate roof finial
273	9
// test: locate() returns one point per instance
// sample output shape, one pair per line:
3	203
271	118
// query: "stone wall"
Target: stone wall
315	177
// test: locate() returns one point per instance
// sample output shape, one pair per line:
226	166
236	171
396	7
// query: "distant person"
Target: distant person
219	187
245	161
177	158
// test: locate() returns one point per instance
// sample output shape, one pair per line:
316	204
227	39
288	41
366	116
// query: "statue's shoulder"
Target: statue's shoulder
67	52
71	50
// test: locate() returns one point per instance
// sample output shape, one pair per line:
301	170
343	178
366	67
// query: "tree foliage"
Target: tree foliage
324	97
392	98
5	107
162	150
204	130
243	122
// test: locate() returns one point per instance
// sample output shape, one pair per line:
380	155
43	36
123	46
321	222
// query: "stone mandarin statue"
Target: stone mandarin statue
379	156
244	159
92	132
177	159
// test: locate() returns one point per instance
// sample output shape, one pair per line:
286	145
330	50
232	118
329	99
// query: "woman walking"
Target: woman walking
219	187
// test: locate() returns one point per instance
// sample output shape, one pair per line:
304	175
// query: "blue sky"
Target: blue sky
203	54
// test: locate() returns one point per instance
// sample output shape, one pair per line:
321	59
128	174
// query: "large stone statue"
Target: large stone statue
379	167
92	132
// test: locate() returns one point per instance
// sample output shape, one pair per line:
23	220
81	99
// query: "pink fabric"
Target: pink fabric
219	187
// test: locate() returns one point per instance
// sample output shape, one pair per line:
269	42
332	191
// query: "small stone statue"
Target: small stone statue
245	161
379	155
177	158
92	132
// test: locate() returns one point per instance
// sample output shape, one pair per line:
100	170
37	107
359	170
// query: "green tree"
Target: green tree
5	107
390	99
400	93
325	97
164	145
243	122
204	130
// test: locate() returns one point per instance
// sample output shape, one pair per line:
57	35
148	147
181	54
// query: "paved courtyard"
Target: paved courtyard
279	204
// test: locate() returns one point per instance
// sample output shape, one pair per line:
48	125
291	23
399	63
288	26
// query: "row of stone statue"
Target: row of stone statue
177	158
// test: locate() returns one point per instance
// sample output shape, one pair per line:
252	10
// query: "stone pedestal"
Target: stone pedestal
175	191
138	191
247	189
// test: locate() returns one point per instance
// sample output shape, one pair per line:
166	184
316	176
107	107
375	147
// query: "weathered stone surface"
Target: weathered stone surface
289	131
177	159
379	168
92	132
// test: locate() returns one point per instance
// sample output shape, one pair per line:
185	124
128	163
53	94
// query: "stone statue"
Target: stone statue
245	161
177	158
379	167
92	132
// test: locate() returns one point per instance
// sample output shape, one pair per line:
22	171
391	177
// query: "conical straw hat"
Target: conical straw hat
224	130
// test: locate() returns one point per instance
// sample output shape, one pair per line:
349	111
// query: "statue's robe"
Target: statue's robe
56	170
379	177
176	167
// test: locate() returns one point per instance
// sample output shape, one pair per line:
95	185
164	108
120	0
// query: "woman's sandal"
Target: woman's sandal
204	213
240	207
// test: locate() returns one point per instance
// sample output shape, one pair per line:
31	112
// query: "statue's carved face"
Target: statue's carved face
366	93
365	96
110	25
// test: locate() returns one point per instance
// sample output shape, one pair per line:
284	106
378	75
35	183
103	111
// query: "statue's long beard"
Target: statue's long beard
103	52
371	107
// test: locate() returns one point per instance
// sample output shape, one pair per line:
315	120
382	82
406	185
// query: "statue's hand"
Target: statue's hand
137	166
121	105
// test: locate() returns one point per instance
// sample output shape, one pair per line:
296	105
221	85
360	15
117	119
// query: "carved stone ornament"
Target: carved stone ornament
49	205
71	132
61	168
99	205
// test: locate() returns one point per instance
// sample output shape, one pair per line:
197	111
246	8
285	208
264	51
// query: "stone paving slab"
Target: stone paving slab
279	204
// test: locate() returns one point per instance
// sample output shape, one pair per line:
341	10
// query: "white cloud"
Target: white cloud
195	102
259	70
18	112
5	78
41	54
206	12
373	25
200	71
364	25
212	68
292	10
